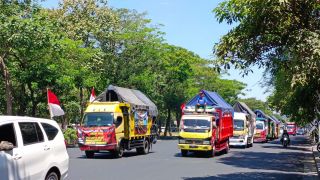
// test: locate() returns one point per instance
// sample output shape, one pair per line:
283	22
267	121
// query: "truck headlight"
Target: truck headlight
182	141
206	142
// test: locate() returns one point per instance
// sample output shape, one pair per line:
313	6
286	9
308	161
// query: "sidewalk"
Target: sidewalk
316	157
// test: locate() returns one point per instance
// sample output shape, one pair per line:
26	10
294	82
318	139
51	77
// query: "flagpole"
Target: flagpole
48	103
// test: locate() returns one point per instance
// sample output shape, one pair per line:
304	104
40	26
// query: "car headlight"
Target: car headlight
182	141
206	142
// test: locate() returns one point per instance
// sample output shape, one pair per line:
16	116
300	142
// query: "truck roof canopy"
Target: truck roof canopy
134	97
214	99
242	107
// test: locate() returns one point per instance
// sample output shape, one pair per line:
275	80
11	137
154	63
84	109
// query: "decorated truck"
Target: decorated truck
262	124
291	128
119	119
206	131
277	127
244	125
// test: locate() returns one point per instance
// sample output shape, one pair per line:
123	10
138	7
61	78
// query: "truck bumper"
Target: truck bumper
237	142
195	147
259	139
97	147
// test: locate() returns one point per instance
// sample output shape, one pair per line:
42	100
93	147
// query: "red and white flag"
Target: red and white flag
54	104
93	95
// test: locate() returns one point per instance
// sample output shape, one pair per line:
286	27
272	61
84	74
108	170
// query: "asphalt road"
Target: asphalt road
262	161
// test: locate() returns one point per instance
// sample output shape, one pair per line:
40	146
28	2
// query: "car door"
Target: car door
11	167
34	150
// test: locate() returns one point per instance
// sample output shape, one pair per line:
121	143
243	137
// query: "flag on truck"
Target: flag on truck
93	95
54	105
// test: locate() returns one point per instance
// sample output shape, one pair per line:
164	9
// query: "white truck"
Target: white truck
244	126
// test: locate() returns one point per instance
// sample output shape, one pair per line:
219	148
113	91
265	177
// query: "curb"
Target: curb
316	157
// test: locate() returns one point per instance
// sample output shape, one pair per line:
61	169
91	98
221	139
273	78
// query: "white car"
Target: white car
32	149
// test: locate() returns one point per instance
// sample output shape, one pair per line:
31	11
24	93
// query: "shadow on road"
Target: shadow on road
107	155
198	155
250	175
282	161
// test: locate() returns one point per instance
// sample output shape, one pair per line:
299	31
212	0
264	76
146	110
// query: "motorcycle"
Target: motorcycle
285	141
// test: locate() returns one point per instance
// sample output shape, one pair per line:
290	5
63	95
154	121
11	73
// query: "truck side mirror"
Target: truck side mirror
118	121
214	125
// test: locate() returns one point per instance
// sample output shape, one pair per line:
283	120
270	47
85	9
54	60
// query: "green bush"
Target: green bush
70	135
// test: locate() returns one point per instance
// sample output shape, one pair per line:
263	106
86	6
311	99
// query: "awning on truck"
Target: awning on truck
214	99
134	97
242	107
275	120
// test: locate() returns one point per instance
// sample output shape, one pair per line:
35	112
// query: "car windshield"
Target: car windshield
98	119
259	125
238	125
196	123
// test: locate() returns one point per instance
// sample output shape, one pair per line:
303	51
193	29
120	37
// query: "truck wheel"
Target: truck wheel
184	153
227	148
89	154
211	153
145	149
118	153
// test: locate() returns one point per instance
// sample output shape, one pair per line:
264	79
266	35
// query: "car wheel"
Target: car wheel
89	154
52	176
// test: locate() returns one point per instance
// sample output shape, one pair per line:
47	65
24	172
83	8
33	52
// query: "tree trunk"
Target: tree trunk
8	85
23	101
81	102
33	101
178	117
167	122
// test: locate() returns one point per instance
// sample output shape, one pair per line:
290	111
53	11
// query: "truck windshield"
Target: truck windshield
238	125
290	126
98	119
259	125
196	123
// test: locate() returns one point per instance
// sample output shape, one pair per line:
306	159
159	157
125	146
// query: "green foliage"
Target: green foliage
70	135
85	44
283	37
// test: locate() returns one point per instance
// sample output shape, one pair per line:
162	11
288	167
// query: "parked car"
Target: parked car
32	148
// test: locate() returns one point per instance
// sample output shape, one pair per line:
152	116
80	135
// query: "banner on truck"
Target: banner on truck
140	122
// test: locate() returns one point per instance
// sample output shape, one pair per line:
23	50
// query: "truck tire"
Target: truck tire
118	152
211	153
226	151
89	154
184	153
145	149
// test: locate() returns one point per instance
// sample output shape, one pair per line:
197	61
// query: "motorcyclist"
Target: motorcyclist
285	134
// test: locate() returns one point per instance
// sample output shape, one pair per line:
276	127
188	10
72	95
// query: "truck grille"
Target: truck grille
192	141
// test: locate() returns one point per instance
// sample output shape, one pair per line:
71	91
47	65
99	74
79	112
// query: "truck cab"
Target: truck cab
292	128
207	132
120	119
261	130
241	131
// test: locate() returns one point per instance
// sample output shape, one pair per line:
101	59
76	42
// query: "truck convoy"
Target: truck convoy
261	127
207	131
244	126
119	119
292	128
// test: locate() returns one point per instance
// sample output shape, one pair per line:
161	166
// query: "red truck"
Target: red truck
292	128
209	131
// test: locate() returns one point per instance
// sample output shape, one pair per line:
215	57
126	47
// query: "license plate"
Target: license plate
193	146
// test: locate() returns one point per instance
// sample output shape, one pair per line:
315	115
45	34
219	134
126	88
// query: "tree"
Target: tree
282	36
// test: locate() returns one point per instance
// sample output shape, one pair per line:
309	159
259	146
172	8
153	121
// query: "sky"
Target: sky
191	25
